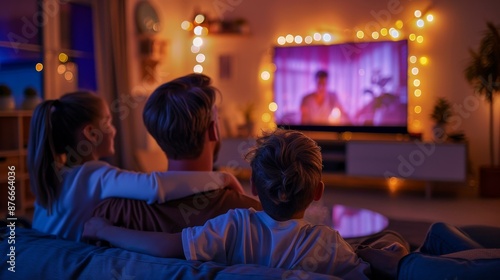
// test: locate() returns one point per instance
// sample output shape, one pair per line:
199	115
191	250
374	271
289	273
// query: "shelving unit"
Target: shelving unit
14	131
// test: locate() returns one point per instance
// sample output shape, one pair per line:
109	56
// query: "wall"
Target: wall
457	26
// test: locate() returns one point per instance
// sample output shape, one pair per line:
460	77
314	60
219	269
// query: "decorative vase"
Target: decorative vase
7	103
30	102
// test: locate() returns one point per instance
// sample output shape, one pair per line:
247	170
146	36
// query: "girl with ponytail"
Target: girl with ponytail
68	136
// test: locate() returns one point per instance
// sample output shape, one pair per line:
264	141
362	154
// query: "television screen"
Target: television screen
342	87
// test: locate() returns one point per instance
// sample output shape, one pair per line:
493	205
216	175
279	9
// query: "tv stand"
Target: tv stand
417	160
406	159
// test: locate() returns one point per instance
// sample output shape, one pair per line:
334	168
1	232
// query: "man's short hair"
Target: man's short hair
178	115
321	74
286	170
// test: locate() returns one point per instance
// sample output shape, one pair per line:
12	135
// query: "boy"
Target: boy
286	175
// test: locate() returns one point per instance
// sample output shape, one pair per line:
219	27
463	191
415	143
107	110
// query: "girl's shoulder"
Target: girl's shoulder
92	166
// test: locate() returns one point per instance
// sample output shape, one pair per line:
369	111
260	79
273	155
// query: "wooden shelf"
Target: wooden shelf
14	128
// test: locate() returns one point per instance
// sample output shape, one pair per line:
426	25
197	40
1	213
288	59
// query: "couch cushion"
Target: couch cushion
468	264
42	256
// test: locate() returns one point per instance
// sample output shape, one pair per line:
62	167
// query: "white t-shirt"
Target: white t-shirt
247	236
84	186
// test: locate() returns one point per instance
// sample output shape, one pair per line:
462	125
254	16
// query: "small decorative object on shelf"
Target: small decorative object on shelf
441	115
6	99
31	99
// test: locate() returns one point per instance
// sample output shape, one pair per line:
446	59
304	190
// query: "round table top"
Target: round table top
350	222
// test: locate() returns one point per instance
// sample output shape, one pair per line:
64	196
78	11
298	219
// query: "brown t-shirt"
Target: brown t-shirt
172	216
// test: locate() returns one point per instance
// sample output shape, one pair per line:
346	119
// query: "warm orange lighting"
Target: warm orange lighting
281	40
39	67
417	109
399	24
63	57
360	34
265	75
417	92
273	106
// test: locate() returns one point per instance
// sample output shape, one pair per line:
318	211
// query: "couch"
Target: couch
41	256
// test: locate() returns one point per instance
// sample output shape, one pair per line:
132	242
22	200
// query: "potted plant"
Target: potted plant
483	73
6	100
441	115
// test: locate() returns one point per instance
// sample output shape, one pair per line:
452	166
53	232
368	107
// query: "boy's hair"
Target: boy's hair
178	115
286	170
53	129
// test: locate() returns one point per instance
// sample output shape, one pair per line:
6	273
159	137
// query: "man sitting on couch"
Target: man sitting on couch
182	117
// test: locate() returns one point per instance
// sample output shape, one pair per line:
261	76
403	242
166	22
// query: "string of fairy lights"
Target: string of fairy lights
411	30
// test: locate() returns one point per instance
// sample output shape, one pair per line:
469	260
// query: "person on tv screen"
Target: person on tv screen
322	106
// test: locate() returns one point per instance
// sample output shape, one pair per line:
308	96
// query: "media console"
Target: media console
416	160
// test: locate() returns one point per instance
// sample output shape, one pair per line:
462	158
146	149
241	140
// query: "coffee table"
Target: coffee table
350	222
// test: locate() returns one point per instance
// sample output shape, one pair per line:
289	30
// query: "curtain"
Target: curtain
112	75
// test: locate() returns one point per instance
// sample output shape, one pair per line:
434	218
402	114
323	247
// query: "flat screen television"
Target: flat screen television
365	88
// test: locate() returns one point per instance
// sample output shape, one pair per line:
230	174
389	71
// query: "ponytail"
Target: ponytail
42	164
52	135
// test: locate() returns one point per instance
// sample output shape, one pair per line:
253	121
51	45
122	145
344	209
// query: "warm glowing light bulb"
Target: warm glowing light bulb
360	34
420	23
430	18
416	82
417	13
39	67
197	42
417	93
416	124
195	49
394	33
308	39
298	39
399	24
327	37
68	76
414	71
281	40
424	60
289	38
198	30
413	59
200	58
383	31
347	135
273	106
412	37
186	25
198	68
420	38
417	109
265	75
375	35
317	36
63	57
199	18
266	117
61	69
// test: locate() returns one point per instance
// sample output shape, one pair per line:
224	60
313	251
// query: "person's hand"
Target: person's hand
93	226
232	183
